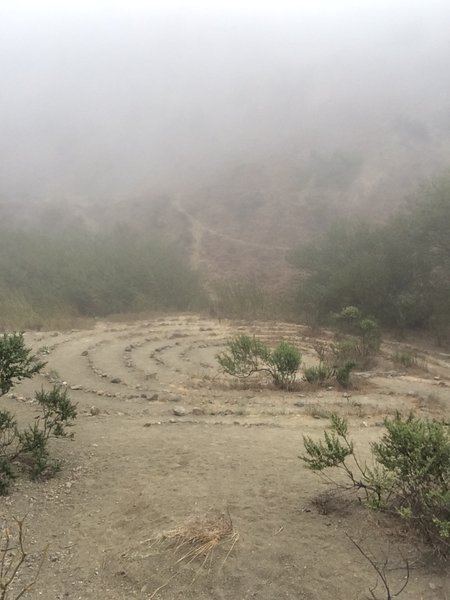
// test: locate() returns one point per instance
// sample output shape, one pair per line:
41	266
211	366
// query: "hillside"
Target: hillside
242	221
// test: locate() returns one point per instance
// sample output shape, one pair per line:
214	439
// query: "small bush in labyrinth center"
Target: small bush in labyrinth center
246	355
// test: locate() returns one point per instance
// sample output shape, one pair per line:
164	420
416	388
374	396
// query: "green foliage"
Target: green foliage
410	473
398	271
29	446
16	361
86	274
284	362
317	374
246	355
332	452
356	345
405	359
342	373
365	331
58	414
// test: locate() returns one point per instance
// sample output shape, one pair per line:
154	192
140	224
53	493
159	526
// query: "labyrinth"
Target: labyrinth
163	438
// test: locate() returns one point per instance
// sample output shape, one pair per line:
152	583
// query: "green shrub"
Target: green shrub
246	355
342	374
284	362
16	361
83	274
364	334
410	474
29	446
405	359
398	271
58	414
317	374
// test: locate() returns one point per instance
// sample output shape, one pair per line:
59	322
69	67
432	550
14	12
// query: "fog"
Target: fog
103	100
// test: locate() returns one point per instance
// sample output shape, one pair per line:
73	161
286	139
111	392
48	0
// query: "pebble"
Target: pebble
94	411
179	411
116	380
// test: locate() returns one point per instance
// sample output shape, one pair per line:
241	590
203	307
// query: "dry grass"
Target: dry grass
196	541
199	537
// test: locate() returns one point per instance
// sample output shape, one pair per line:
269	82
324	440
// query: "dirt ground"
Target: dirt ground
136	469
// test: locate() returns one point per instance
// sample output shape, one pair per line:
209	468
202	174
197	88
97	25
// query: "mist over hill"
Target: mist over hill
234	132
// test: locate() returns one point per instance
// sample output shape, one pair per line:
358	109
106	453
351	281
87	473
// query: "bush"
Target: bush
398	271
16	361
247	355
405	359
82	274
284	363
363	337
410	474
355	345
29	446
317	374
58	414
342	374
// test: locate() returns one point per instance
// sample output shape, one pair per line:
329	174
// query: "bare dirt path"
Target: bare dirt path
135	469
198	229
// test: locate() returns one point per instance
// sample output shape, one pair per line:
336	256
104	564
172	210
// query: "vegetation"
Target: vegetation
16	361
409	474
399	271
28	448
317	374
243	300
84	274
247	355
405	359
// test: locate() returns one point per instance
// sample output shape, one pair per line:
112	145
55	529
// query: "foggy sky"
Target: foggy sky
103	98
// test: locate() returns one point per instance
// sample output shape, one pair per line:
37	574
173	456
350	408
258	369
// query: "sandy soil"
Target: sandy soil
136	469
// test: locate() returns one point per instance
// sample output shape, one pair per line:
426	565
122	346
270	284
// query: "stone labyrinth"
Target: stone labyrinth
151	362
166	367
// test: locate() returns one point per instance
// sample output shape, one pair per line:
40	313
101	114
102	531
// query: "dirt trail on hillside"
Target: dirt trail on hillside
162	435
198	229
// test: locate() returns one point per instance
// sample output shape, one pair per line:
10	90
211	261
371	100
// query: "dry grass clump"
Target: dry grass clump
192	544
199	537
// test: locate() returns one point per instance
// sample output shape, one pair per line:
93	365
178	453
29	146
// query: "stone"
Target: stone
116	380
84	353
153	398
94	411
198	411
179	411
